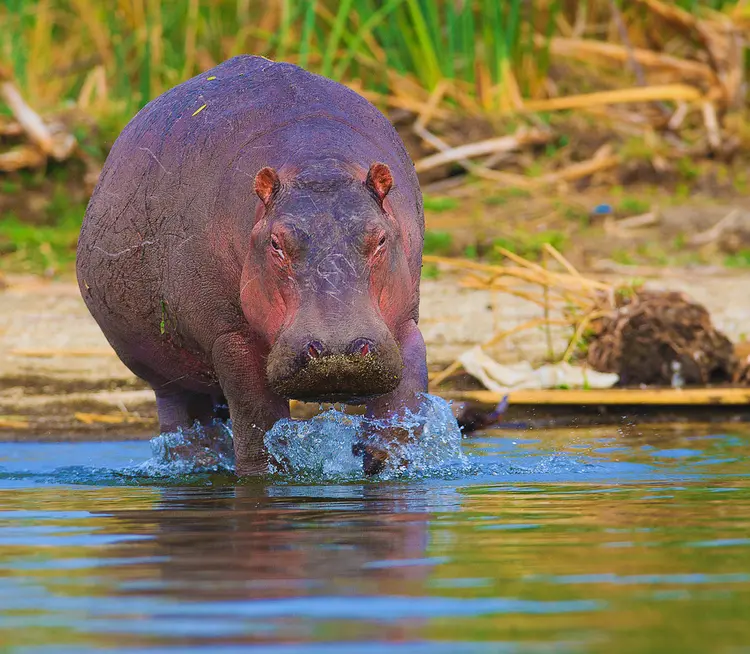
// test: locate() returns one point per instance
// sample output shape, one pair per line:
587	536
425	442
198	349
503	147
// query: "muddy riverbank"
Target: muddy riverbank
60	379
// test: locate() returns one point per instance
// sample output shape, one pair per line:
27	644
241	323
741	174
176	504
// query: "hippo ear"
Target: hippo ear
266	184
379	180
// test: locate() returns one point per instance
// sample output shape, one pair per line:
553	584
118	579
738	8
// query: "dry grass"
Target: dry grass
652	69
564	297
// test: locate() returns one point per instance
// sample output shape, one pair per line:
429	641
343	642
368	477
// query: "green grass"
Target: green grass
488	50
573	212
437	242
38	249
430	271
739	259
54	47
682	191
687	169
438	204
740	181
530	245
506	195
9	187
623	257
694	5
653	253
631	206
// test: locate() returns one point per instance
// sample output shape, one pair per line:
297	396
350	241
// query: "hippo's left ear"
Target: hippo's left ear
379	180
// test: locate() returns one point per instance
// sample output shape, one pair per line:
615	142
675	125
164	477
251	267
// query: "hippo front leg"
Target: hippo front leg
253	408
406	395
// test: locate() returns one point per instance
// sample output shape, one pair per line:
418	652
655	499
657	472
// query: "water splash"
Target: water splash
323	447
186	451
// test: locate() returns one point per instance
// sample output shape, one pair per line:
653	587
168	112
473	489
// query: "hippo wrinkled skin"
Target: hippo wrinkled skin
255	237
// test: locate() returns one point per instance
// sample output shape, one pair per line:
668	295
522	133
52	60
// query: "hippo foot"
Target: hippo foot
279	464
380	448
199	457
472	418
200	446
373	460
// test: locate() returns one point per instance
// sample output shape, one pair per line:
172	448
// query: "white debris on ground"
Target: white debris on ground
499	377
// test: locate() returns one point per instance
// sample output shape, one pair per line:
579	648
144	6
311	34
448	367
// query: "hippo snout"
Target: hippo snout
348	370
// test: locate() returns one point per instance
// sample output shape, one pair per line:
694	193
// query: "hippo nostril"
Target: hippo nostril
314	349
361	346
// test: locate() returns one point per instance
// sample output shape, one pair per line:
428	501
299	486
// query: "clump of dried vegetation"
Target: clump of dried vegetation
647	337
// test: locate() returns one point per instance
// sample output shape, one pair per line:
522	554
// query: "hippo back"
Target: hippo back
209	135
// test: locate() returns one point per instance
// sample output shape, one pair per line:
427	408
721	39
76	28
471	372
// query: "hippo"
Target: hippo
255	237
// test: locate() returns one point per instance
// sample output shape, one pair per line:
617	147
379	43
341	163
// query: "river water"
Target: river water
575	540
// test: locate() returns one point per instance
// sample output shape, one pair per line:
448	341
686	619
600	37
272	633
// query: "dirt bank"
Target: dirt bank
59	377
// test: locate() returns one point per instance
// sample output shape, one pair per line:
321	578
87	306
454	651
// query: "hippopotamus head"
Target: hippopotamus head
327	281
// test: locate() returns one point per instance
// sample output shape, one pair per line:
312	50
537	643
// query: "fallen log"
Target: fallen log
610	397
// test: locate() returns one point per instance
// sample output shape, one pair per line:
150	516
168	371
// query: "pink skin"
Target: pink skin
273	304
273	276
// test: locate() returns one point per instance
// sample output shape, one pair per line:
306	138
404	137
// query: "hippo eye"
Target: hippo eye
277	247
381	242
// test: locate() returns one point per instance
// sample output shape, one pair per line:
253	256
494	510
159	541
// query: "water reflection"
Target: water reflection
588	542
268	542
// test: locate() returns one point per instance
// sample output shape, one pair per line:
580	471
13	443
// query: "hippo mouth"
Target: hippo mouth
341	378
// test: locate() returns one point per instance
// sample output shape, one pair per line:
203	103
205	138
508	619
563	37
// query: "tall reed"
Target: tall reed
124	52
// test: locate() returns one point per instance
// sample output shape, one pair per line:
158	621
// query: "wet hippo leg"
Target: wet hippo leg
254	408
177	407
406	395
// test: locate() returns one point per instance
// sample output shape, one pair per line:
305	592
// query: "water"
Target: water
526	541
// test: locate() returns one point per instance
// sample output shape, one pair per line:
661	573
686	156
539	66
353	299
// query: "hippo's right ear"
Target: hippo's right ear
267	184
379	180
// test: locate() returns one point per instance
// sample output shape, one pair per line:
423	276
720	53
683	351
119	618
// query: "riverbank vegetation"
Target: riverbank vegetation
529	122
